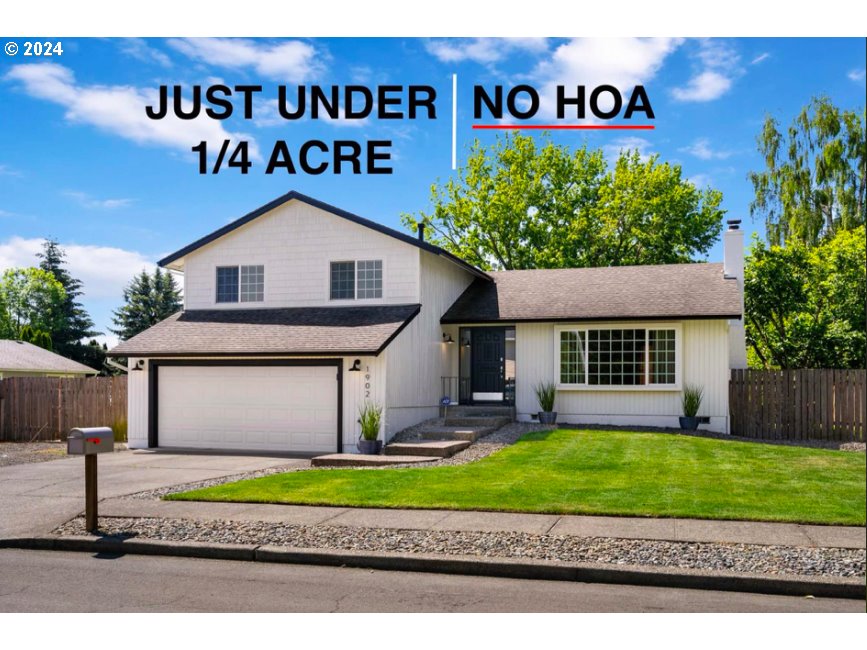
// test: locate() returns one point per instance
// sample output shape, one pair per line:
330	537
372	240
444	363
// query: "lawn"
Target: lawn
597	472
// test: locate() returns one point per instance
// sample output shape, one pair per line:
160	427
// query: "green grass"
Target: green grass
597	472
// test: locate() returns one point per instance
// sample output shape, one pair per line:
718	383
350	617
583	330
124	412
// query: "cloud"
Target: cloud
761	57
6	170
614	148
138	49
120	110
91	203
485	51
290	61
104	271
857	75
701	149
266	114
718	67
6	213
701	181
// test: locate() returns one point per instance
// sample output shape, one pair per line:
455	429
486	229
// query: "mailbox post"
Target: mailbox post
89	442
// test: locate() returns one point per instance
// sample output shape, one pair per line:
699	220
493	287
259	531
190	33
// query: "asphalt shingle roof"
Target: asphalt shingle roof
20	356
271	332
610	293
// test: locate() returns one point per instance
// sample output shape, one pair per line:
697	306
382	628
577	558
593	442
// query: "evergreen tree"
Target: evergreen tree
75	323
148	299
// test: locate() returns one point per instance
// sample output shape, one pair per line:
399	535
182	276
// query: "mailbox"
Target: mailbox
90	440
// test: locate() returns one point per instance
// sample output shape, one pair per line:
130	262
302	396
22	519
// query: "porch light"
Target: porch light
447	338
356	366
139	365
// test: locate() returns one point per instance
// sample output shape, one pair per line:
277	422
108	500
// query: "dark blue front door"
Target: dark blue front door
488	364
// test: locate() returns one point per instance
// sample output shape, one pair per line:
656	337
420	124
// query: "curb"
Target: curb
851	588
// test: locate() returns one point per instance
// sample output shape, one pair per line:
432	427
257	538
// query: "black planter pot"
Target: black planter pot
370	447
547	417
689	423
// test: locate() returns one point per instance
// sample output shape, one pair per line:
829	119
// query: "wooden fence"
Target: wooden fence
46	408
798	404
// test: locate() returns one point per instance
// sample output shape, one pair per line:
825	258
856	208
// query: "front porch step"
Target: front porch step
368	460
468	434
465	410
435	448
477	422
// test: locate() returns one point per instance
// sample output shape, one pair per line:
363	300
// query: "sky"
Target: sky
81	163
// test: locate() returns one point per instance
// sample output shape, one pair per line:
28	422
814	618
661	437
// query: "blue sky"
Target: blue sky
78	161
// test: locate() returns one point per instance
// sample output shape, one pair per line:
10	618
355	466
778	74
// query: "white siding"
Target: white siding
705	359
418	358
296	243
356	387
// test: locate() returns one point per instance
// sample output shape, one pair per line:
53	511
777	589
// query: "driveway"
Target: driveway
36	498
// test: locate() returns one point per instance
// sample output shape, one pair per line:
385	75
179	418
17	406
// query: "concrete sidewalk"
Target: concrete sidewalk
679	530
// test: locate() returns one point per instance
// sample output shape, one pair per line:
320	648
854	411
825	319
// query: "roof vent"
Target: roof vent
734	224
421	232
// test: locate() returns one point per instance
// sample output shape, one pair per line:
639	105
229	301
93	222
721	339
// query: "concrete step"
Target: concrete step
480	411
470	434
367	460
474	422
436	448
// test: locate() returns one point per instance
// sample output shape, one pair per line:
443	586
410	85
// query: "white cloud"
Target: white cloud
138	49
629	143
289	61
701	181
761	57
857	75
482	50
120	110
702	149
92	203
266	114
103	270
719	66
6	170
6	213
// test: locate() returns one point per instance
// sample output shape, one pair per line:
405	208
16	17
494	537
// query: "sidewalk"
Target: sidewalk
675	530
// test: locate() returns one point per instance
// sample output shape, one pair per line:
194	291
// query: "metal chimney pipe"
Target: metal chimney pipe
421	232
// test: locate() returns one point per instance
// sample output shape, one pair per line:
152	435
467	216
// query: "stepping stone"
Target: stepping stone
366	460
436	448
456	433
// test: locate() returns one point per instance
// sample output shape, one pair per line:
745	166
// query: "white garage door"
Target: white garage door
268	408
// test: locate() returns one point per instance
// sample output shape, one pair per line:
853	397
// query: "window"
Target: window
618	357
361	280
244	283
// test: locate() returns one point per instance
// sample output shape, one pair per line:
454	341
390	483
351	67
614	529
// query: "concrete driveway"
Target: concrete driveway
38	497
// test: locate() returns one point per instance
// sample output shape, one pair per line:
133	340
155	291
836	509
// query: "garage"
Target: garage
286	407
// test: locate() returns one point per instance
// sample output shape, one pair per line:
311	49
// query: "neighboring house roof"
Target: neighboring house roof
272	332
367	223
609	293
20	356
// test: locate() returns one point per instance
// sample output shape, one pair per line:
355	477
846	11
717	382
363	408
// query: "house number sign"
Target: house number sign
366	382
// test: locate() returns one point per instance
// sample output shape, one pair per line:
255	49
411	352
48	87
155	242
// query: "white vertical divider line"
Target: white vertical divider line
454	121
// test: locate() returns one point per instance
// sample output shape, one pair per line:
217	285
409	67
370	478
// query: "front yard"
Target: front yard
571	471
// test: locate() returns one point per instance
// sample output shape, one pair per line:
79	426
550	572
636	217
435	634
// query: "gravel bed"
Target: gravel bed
747	558
19	453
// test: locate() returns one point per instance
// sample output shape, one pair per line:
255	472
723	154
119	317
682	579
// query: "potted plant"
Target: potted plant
370	418
690	402
545	393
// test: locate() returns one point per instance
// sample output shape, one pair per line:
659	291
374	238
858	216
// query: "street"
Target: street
46	581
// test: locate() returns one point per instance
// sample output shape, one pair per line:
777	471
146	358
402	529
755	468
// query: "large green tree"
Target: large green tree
31	297
815	178
148	299
805	307
75	323
518	205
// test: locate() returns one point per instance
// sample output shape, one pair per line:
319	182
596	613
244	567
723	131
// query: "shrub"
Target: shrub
545	393
370	418
119	429
691	400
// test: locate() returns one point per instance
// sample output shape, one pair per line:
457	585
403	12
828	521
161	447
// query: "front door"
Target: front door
488	364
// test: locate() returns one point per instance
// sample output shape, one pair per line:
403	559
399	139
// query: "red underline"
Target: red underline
572	127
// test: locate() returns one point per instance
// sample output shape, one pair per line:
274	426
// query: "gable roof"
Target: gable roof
290	331
20	356
609	293
293	195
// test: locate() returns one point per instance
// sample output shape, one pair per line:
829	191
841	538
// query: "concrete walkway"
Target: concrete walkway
681	530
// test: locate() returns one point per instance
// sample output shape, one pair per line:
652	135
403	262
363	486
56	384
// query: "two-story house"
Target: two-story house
298	312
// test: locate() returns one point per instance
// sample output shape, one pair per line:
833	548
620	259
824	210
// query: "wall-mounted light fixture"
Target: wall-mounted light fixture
447	338
356	366
139	365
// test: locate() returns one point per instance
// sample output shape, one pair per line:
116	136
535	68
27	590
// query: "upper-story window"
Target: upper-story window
244	283
361	280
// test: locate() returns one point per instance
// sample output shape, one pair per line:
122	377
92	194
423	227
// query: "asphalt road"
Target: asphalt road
50	581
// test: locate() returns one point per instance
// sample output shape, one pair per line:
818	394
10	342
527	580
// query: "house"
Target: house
22	359
298	312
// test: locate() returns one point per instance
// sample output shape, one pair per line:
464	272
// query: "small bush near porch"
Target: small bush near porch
597	472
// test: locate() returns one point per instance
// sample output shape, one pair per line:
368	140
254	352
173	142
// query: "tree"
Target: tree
32	297
36	337
815	178
148	300
516	206
804	307
75	324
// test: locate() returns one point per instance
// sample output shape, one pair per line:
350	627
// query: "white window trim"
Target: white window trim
239	301
356	300
646	387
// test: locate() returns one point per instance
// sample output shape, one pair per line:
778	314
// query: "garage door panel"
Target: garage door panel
280	408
